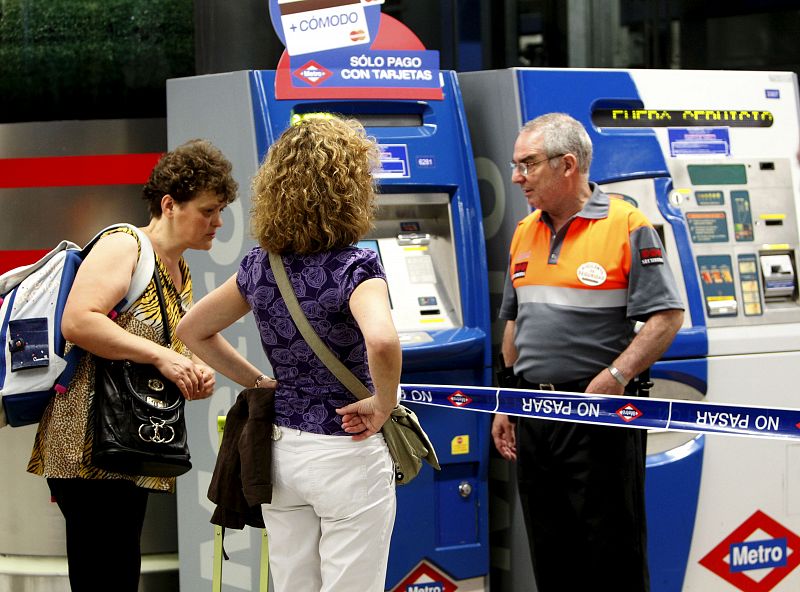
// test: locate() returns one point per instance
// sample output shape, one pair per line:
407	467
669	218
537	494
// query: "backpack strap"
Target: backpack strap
145	269
145	266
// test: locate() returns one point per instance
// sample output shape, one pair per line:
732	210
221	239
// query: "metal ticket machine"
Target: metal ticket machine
709	157
429	237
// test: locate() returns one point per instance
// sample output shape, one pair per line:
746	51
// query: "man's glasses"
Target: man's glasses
523	168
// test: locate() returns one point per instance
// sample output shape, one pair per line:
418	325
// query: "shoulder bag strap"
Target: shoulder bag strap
163	306
339	370
147	268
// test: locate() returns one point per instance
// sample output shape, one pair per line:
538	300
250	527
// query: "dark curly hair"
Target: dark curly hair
314	190
191	168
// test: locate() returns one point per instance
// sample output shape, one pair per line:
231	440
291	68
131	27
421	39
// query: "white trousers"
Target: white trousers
332	513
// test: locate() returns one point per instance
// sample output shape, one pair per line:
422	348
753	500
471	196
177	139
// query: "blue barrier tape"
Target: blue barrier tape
612	410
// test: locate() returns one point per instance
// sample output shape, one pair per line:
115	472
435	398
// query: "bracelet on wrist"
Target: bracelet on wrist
618	375
261	378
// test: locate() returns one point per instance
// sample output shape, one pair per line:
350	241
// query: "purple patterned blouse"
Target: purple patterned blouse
308	394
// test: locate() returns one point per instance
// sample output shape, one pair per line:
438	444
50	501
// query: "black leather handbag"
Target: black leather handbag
139	425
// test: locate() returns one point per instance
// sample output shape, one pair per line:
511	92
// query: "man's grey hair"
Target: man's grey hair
562	134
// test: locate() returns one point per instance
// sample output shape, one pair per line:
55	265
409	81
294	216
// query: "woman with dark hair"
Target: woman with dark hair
333	502
187	191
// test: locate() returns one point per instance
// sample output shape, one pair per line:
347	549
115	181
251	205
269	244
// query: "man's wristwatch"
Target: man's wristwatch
618	375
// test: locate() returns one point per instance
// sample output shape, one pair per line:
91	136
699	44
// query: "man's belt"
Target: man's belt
572	386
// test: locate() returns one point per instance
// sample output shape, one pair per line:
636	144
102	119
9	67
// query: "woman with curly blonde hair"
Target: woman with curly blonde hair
333	502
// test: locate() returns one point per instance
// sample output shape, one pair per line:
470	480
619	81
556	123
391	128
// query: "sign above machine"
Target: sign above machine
603	117
348	49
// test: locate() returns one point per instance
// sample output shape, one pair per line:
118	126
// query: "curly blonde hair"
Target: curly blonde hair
314	190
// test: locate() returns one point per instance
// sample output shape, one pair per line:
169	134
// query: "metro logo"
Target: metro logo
425	577
312	73
628	413
432	587
747	549
758	554
459	399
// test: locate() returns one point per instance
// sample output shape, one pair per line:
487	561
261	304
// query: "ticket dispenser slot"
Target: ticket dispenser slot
778	276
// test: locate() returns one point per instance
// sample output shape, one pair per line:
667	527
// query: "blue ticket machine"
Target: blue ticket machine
709	157
429	237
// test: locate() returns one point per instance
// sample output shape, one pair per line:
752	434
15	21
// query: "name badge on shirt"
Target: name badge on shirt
592	274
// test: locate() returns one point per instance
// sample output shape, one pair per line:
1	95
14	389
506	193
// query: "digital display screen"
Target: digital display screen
603	117
717	174
372	245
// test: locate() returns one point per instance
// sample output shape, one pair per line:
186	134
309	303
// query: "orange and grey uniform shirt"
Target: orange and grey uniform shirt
575	295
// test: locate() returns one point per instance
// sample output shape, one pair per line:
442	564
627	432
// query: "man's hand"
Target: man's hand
605	384
505	439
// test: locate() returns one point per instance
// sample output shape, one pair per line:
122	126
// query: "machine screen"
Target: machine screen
717	174
372	245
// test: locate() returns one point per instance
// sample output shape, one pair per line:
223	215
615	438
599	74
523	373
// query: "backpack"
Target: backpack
32	299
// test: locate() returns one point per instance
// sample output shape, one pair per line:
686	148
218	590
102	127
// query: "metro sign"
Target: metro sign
425	577
629	412
312	73
760	543
459	399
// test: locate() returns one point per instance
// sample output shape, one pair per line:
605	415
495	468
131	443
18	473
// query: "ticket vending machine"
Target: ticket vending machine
709	157
429	237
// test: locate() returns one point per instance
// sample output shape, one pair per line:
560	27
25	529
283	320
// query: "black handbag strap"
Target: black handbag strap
324	353
159	290
163	306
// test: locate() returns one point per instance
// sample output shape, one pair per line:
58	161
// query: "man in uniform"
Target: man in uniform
583	268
